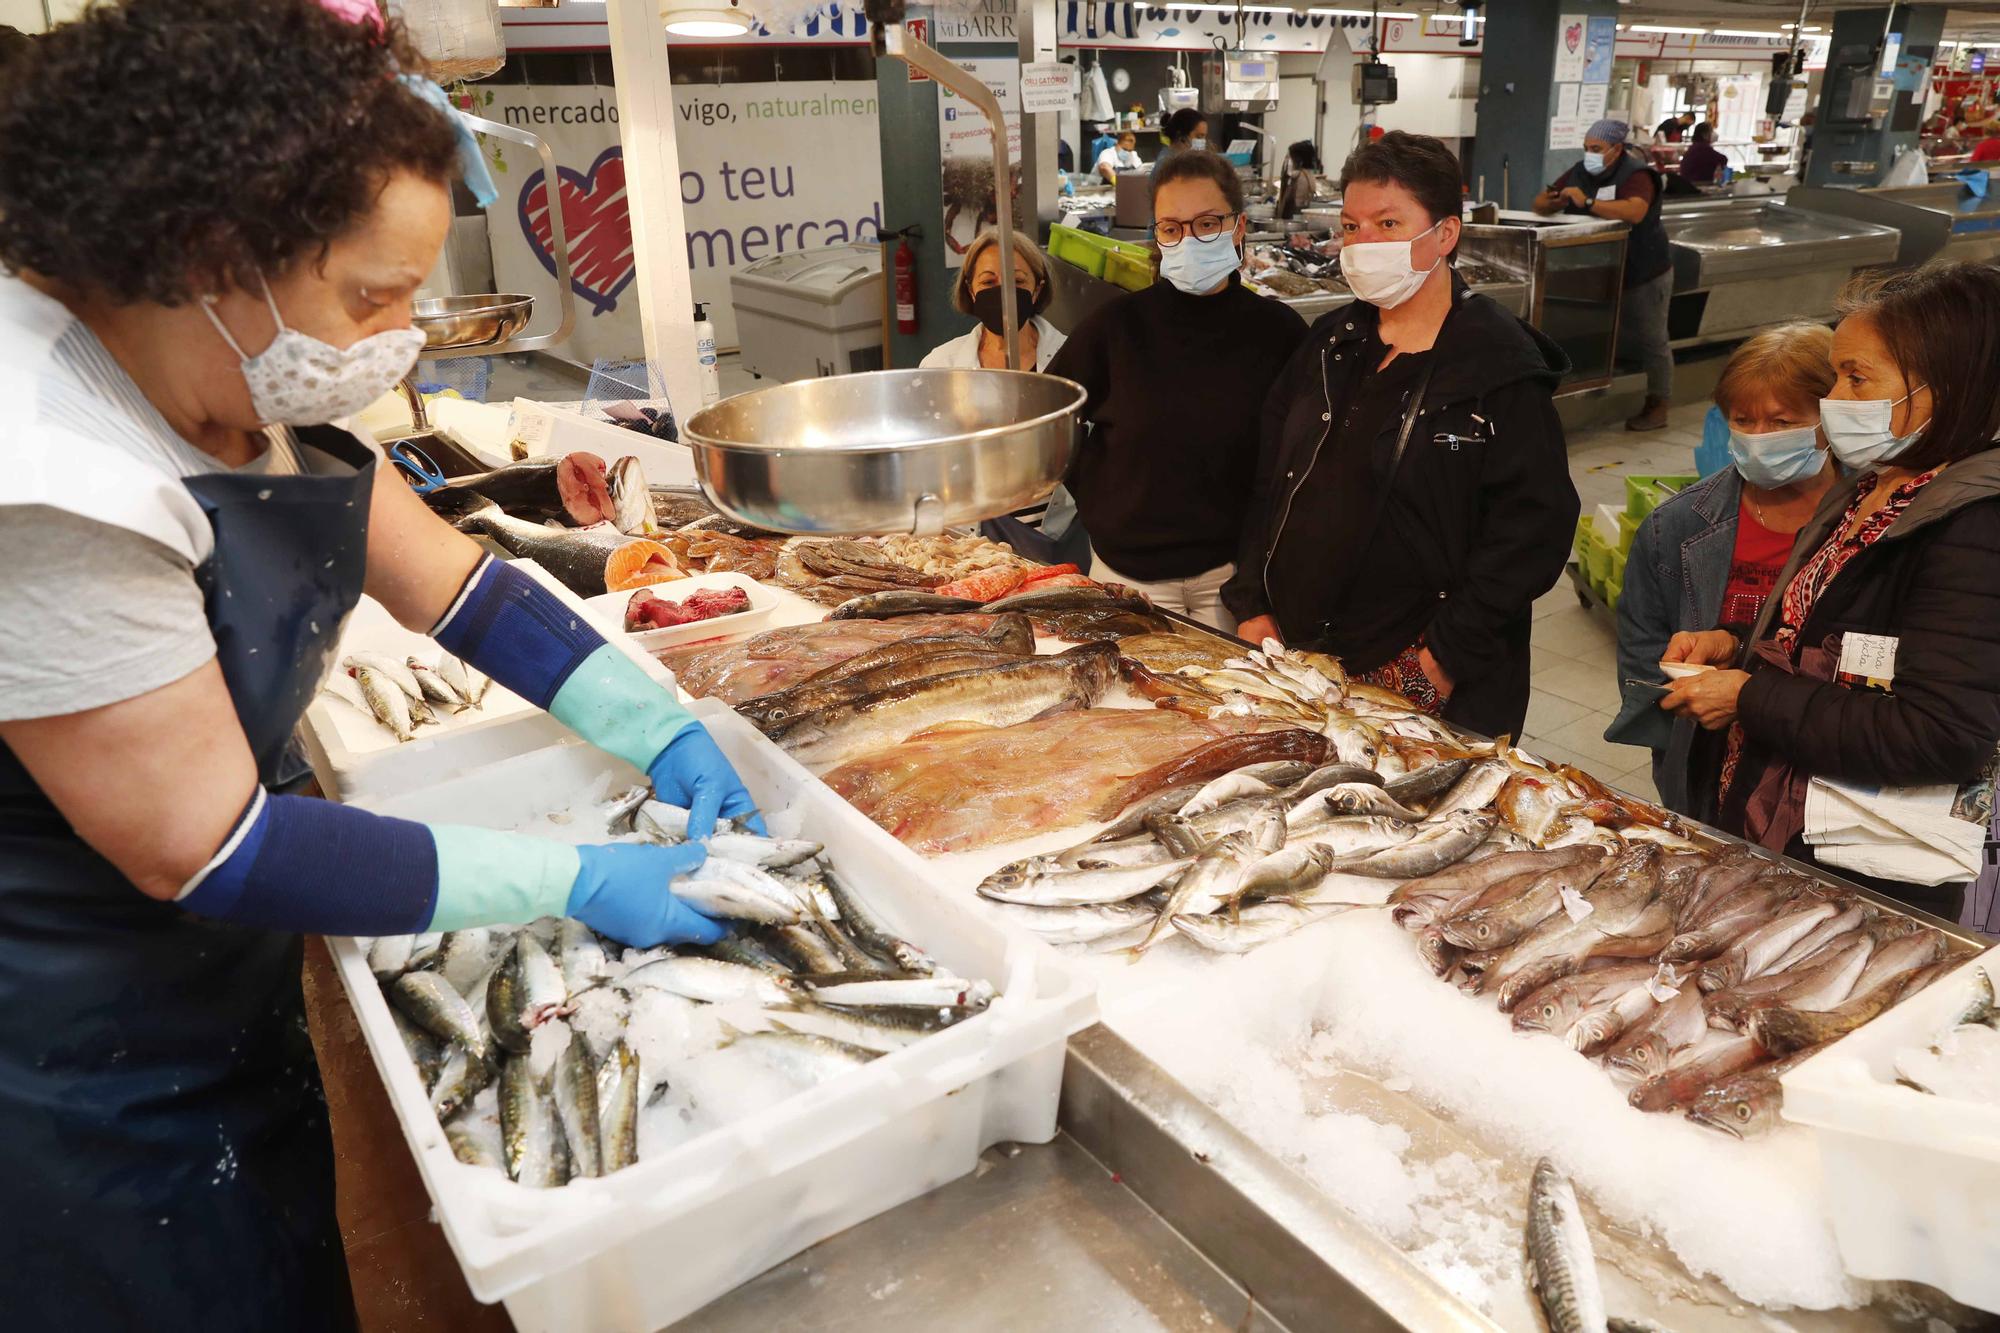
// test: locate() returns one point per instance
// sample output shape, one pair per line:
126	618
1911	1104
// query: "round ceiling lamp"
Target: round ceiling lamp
707	18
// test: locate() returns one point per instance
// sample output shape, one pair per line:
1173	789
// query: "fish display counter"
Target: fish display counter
1738	260
1957	216
1384	1007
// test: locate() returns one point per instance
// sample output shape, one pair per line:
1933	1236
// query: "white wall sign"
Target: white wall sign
1591	101
966	146
766	168
1570	49
1048	85
981	21
1567	132
1171	29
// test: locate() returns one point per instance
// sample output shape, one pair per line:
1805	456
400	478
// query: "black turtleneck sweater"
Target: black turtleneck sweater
1177	386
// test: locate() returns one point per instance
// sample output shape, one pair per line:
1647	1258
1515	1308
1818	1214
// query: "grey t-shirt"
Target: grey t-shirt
92	613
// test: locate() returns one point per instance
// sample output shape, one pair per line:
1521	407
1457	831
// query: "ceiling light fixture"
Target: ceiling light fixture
707	18
1742	32
1670	31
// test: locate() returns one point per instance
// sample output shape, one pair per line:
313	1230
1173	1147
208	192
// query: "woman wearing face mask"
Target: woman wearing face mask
1122	155
1176	375
1186	131
1903	550
1711	555
1413	495
183	538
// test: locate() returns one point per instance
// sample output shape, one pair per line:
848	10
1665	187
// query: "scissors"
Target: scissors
423	475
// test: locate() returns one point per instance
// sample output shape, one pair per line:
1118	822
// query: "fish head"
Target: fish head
1552	1009
1741	1107
1438	953
1478	929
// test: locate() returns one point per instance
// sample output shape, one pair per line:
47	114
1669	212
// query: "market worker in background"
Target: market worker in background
1674	128
183	540
1904	549
1413	494
1711	555
1617	183
1301	179
1176	376
1987	150
1121	156
1185	131
1702	163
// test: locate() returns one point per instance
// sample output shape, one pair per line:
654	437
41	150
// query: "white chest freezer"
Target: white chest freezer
812	313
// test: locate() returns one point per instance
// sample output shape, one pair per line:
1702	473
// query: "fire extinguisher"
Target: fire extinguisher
906	283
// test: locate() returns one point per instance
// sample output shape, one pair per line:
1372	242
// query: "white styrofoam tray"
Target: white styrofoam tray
650	1244
356	757
1913	1180
607	612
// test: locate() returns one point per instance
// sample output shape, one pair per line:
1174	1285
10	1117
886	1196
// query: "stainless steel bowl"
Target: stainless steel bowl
886	451
451	323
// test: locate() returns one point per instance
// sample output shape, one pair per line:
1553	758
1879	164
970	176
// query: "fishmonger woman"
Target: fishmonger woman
196	274
1413	494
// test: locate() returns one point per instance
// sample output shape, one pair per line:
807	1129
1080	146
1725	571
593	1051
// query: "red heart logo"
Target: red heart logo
1571	36
595	223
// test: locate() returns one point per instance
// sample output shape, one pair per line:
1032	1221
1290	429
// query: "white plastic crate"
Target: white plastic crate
1913	1180
646	1246
608	612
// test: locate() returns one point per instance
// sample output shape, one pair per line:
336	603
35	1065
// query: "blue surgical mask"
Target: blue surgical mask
1197	266
1777	457
1859	433
1593	163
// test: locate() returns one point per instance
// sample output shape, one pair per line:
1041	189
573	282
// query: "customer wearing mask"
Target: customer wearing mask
1413	494
1711	555
1617	183
1176	375
1904	549
1186	131
1703	162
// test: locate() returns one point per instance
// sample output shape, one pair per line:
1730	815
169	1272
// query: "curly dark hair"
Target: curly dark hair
157	150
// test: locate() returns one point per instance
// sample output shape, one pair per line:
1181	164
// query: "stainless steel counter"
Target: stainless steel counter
1741	264
1943	218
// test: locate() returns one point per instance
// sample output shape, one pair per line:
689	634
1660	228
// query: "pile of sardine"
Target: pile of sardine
405	695
822	984
1699	977
1964	1062
1251	856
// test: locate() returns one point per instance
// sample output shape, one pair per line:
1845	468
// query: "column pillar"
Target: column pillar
1521	96
1848	127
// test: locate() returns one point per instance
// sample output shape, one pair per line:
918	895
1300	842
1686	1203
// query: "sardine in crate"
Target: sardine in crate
643	1247
1912	1179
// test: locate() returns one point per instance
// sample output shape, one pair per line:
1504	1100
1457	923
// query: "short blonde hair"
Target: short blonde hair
1025	250
1793	363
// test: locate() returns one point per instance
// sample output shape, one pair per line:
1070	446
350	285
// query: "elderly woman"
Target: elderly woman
1875	661
980	294
1711	555
180	315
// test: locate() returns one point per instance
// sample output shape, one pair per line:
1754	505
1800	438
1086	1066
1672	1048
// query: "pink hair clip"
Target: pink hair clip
355	11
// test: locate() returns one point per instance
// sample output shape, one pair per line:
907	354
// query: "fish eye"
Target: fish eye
1743	1111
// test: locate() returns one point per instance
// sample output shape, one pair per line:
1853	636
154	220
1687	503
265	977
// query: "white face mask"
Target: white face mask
300	381
1859	432
1380	272
1593	163
1197	144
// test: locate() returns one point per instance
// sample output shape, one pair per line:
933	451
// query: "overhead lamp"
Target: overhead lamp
1670	31
1741	32
707	18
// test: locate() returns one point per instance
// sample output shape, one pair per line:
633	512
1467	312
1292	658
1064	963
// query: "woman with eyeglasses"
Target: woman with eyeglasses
1176	376
1413	494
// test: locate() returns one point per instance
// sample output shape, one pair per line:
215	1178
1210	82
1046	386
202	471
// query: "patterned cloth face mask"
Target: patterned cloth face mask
301	381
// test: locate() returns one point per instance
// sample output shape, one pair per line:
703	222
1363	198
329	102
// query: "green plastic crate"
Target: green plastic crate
1596	558
1644	494
1133	272
1611	591
1081	249
1618	566
1628	526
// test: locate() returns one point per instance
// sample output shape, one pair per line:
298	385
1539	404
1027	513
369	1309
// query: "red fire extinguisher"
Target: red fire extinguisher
906	284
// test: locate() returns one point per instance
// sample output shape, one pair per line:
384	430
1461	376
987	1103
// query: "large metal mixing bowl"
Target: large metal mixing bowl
452	323
886	451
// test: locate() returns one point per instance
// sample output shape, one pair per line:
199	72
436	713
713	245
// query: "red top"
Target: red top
1754	567
1987	151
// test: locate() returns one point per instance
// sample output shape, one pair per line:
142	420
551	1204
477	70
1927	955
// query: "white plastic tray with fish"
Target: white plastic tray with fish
1913	1179
607	611
647	1245
355	757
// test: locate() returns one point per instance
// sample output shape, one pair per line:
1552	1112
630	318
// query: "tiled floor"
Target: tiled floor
1575	647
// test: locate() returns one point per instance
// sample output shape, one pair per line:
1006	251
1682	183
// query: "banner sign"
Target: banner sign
766	168
965	141
1081	23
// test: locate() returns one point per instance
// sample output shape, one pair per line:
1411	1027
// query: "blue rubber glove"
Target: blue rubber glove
691	772
621	890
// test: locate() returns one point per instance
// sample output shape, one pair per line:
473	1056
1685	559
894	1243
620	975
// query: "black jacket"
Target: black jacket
1481	508
1932	582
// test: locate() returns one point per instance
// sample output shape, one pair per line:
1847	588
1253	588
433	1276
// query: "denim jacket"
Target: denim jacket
1675	576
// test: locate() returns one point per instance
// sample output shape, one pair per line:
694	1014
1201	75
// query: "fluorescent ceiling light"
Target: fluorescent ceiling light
1678	32
697	19
1742	32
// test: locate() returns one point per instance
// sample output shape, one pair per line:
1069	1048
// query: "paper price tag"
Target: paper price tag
1869	658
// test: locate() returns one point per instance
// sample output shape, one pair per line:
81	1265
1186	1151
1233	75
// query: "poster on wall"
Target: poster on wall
1591	101
1569	49
966	153
766	168
1600	40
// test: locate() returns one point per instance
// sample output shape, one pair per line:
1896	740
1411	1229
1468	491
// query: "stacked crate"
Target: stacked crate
1603	539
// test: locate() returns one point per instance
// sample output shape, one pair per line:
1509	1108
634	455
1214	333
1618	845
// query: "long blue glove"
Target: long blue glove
621	891
691	772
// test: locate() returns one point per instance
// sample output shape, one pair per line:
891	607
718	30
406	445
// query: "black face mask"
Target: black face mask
987	308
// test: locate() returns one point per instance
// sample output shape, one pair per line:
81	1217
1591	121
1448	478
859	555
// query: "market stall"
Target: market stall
1948	218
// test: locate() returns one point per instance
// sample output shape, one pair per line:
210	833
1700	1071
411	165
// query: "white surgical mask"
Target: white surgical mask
301	381
1380	272
1593	163
1859	433
1197	266
1776	457
1197	143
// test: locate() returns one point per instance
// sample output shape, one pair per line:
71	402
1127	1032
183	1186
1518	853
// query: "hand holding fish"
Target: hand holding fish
1708	647
691	772
1709	699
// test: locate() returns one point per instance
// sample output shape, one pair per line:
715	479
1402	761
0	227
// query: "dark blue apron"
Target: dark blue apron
165	1159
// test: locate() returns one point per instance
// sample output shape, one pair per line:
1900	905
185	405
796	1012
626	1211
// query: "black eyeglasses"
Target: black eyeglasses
1171	231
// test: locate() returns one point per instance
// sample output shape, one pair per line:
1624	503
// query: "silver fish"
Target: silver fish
1286	873
434	687
426	1052
392	669
424	948
471	1146
660	822
530	1131
1084	924
1041	887
389	956
344	687
618	1084
575	1088
469	682
709	980
1228	787
1363	798
632	501
386	702
458	1080
1355	835
1561	1265
769	853
431	1003
526	991
802	1058
464	956
1440	843
581	956
1754	954
1255	925
1210	882
850	1029
726	901
930	992
1475	790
